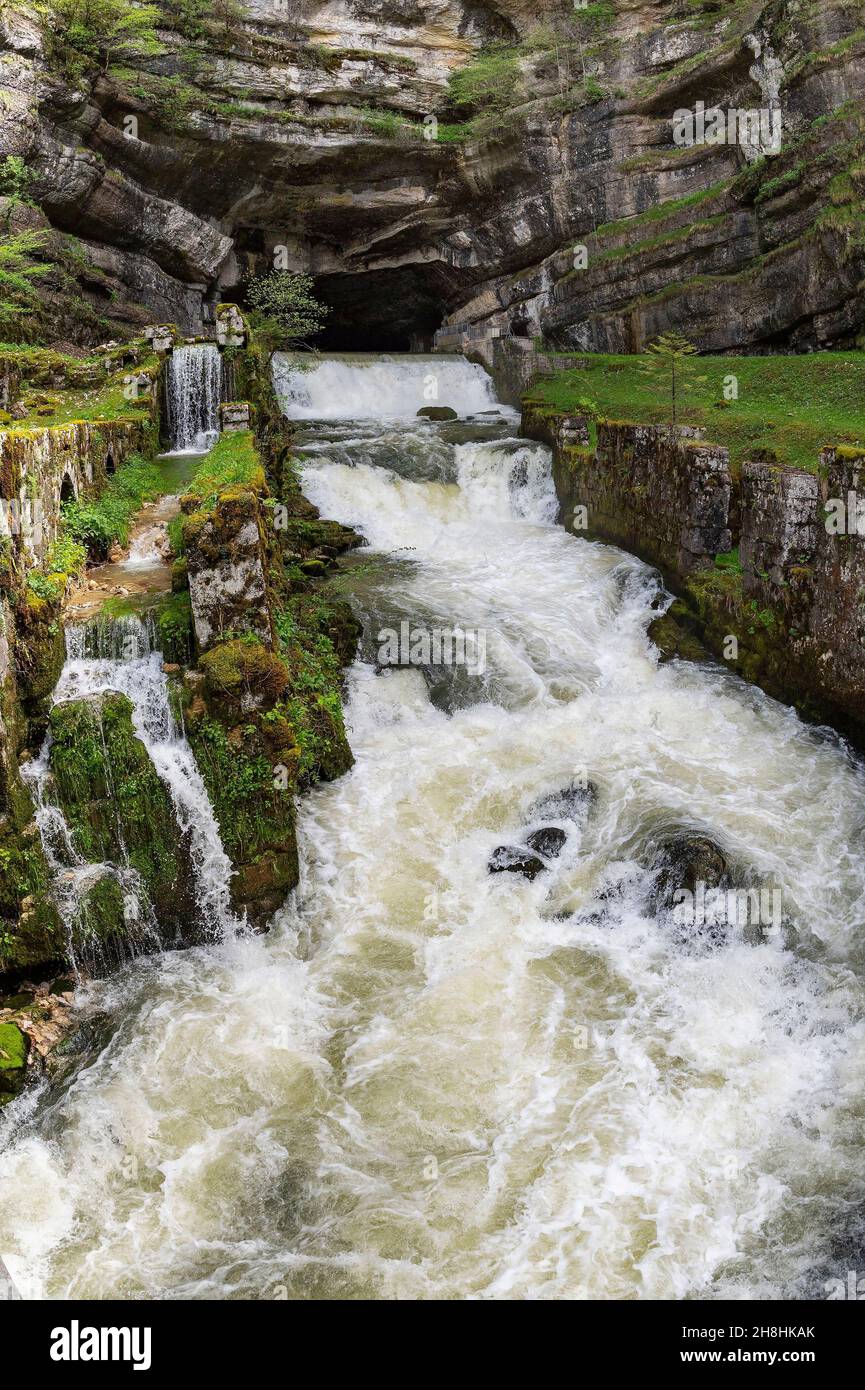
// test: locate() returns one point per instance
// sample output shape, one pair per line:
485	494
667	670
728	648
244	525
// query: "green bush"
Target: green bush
288	300
102	522
15	178
87	36
18	269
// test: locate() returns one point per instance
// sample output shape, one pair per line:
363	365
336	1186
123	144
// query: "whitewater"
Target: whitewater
430	1082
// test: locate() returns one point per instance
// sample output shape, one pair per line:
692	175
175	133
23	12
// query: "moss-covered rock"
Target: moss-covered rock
247	751
14	1047
674	634
100	914
40	651
30	930
173	618
117	808
244	675
250	771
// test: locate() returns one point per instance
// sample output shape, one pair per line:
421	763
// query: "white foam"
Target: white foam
350	386
430	1082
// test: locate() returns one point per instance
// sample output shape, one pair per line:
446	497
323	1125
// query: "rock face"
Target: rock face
225	553
788	613
665	497
568	206
119	813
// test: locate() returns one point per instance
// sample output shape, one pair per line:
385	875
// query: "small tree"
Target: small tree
90	35
669	363
287	301
16	179
19	267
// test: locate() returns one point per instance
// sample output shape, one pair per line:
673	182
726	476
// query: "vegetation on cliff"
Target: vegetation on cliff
786	408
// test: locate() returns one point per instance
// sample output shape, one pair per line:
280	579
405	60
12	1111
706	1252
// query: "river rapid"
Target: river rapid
430	1082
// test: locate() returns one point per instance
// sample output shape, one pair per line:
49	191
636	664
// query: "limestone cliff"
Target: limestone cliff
333	132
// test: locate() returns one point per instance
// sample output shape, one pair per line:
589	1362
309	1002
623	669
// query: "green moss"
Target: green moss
115	804
39	652
233	461
674	634
14	1047
100	915
254	812
307	626
173	618
244	676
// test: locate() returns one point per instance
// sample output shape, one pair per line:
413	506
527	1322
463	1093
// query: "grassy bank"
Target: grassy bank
787	407
234	461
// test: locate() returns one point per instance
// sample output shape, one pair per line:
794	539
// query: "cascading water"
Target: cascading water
194	393
119	654
434	1082
351	386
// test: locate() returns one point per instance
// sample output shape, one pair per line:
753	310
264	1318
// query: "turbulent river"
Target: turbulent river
432	1082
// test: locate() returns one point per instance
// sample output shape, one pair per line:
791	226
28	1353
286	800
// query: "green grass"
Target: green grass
788	407
104	400
233	461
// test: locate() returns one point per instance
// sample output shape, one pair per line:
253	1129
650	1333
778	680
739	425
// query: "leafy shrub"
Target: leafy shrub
288	300
15	178
102	522
87	36
18	269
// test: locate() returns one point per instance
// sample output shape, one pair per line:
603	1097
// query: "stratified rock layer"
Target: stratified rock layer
313	138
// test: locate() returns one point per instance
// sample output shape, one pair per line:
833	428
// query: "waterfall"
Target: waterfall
194	393
73	877
433	1082
119	655
350	386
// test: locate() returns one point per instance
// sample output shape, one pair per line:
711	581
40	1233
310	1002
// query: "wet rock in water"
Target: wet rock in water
675	633
438	412
548	841
79	1045
514	859
14	1046
684	862
572	802
119	811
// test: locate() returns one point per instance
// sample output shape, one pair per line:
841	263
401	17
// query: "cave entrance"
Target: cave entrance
395	310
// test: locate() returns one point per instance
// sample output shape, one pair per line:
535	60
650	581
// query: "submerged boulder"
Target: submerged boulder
548	841
117	808
571	802
686	862
438	412
514	859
